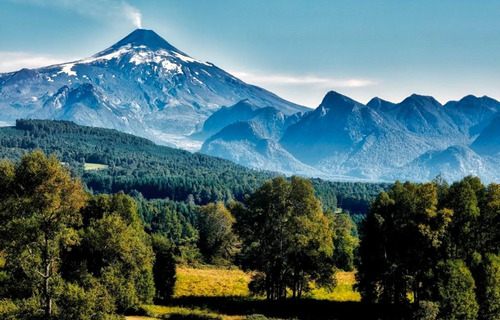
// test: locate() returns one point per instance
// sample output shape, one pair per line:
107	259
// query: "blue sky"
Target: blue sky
299	49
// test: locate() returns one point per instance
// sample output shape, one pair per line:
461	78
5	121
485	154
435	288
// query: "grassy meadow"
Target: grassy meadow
343	291
87	166
211	283
211	293
234	283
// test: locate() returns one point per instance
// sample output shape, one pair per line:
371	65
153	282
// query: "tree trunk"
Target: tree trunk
416	293
268	288
47	300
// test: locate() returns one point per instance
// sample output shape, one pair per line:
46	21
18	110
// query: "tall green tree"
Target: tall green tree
464	199
39	214
372	264
401	240
489	223
285	236
310	236
488	288
261	226
164	268
218	243
346	241
116	249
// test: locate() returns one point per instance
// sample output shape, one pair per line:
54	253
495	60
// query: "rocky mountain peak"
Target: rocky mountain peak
338	102
142	38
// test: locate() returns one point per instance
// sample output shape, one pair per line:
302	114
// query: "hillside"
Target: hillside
138	165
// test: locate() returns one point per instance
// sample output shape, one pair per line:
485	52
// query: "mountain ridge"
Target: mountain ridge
413	139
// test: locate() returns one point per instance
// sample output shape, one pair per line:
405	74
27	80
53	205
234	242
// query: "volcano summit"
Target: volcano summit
141	85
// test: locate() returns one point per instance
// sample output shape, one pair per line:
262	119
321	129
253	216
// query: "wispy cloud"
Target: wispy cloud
104	10
307	80
13	61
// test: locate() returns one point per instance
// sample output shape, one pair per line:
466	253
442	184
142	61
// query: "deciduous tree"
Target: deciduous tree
456	290
285	236
218	243
39	211
164	268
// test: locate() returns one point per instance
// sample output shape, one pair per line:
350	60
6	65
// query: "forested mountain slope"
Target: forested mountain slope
138	165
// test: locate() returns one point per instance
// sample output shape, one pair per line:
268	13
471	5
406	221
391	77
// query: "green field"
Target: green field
223	294
211	283
234	283
94	166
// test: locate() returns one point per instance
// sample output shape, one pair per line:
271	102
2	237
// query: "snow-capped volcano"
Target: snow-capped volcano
141	85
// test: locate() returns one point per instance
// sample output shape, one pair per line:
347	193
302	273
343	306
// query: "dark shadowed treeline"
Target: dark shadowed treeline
434	245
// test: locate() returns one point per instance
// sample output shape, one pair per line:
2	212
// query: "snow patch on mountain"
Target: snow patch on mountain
67	68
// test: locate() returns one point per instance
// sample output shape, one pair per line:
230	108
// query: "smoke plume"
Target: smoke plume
107	11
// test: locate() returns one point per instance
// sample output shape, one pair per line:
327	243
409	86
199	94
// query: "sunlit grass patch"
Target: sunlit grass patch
211	283
94	166
230	283
192	313
344	291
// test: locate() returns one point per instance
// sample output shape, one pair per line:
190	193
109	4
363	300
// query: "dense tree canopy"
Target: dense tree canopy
217	243
456	291
39	214
488	284
434	242
346	241
164	268
285	236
